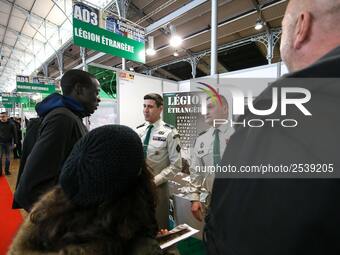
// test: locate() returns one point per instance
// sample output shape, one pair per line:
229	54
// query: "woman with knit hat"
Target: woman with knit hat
104	203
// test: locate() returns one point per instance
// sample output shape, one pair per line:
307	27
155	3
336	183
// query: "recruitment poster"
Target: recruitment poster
183	110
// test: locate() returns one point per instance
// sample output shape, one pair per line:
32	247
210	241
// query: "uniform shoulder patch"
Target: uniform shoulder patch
141	125
168	125
199	136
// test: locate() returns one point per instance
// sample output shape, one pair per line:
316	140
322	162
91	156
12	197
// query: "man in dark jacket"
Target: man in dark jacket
8	137
60	129
17	149
296	215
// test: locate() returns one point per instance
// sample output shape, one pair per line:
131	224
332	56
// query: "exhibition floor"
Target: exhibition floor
10	219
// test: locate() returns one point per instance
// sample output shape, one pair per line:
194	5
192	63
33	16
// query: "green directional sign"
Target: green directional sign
7	99
7	106
96	38
35	88
23	100
14	99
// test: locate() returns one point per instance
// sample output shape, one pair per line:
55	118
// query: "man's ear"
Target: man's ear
302	29
78	89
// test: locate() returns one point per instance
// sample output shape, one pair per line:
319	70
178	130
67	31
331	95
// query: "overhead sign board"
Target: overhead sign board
14	99
43	80
7	106
125	28
86	13
87	33
35	88
22	78
36	84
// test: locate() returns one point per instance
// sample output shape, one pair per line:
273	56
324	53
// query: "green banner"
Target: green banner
35	88
23	100
7	99
14	99
96	38
7	106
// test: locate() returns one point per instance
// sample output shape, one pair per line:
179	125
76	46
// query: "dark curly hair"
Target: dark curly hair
113	223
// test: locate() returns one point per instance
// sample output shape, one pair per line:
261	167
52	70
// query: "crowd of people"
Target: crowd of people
106	191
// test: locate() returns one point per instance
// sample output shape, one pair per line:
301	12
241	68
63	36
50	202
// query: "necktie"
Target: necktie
146	141
216	148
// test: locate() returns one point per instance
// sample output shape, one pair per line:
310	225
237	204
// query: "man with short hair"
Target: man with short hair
296	215
8	137
162	151
61	128
208	151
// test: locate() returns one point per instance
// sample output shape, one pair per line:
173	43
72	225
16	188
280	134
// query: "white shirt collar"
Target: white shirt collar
155	124
222	128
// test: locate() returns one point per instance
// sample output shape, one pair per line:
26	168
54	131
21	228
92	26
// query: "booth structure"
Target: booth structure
126	106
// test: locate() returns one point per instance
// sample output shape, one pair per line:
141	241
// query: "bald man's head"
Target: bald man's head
309	31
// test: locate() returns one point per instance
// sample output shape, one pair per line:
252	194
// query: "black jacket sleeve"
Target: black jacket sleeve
44	163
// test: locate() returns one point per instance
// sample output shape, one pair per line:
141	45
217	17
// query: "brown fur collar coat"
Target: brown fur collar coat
22	245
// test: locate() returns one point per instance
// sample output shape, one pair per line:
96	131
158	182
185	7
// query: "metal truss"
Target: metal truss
269	40
194	58
157	10
193	61
172	16
113	7
117	7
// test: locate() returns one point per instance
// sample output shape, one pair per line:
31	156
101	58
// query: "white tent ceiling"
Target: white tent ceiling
31	31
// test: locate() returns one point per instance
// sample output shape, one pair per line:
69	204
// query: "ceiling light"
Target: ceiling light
150	52
259	24
176	53
175	41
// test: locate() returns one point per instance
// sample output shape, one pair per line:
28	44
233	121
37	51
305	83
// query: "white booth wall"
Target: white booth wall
105	114
130	95
170	86
266	71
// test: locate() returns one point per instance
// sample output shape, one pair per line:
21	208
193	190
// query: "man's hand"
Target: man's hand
163	232
197	210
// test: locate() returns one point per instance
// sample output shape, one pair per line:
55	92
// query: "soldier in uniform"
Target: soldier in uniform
208	151
162	151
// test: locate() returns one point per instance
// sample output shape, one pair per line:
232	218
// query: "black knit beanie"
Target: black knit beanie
102	165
